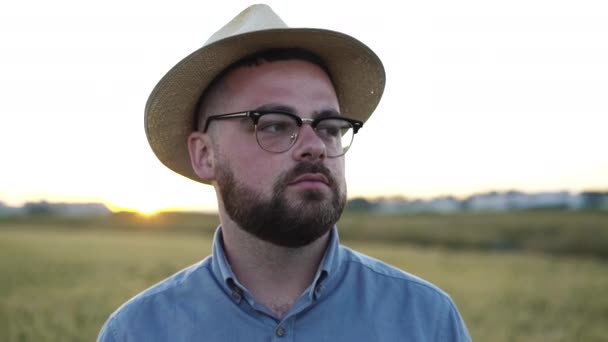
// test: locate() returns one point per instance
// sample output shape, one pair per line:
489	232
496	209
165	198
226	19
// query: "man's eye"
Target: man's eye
330	130
275	127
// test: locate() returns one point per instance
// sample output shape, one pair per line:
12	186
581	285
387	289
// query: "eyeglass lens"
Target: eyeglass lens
277	132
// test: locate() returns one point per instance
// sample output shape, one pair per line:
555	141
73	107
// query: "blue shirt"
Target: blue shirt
353	298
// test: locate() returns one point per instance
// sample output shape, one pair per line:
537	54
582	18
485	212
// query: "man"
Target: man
265	114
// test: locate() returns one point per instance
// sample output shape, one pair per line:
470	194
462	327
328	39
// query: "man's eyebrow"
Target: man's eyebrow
284	108
326	113
277	107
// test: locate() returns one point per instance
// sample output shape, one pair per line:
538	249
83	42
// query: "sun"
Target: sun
143	208
148	211
167	198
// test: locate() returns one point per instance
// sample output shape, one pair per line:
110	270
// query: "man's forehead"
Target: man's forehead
281	68
287	86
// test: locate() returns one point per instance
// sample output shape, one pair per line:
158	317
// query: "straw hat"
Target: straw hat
357	73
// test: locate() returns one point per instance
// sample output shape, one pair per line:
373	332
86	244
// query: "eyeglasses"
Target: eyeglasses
277	131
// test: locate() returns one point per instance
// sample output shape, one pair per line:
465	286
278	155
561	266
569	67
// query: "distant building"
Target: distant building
514	200
392	205
492	201
444	205
6	210
594	200
66	209
441	205
489	202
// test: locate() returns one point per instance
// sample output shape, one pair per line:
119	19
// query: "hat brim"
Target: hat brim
356	71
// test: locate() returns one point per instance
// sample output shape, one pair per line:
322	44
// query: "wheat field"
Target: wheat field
60	284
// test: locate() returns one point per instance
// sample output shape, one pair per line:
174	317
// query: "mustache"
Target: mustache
308	167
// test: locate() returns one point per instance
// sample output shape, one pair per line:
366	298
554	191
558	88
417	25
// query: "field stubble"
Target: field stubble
60	284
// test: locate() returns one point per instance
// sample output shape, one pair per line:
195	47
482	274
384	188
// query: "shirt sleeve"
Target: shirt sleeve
106	334
452	327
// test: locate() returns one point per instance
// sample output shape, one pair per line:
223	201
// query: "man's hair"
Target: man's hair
253	60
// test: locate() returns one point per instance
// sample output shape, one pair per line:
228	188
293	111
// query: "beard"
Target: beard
277	221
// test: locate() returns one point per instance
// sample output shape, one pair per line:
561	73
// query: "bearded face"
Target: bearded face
275	219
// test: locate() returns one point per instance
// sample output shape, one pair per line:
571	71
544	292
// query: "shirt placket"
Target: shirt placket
285	330
279	331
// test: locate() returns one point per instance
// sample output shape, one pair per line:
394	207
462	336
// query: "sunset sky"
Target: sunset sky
480	95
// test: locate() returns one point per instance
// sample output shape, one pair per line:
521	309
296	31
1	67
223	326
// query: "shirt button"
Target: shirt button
236	295
280	331
318	289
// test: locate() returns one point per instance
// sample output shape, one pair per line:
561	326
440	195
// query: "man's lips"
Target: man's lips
310	178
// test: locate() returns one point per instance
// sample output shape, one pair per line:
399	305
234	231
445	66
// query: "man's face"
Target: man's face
290	198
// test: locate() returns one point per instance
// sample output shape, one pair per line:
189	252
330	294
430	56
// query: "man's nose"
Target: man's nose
309	145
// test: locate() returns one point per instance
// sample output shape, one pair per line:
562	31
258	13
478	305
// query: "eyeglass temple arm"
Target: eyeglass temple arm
224	116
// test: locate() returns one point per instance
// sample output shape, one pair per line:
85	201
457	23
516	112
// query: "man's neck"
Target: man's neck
276	276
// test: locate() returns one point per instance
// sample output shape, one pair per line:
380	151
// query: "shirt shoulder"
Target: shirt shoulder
389	293
381	269
180	281
148	308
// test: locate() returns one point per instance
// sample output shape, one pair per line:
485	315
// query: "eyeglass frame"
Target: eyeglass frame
255	116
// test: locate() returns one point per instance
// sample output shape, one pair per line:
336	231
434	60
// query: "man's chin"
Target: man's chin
306	196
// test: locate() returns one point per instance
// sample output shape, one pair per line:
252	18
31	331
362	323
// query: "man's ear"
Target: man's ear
201	156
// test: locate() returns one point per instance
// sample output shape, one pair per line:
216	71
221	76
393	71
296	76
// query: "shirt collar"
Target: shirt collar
330	264
221	269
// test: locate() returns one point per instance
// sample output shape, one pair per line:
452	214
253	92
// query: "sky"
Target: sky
480	96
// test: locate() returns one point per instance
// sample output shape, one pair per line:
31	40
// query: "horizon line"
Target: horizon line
197	209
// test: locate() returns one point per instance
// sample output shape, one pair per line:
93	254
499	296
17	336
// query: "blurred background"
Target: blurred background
483	170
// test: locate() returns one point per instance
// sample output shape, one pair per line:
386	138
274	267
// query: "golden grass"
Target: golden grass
61	285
